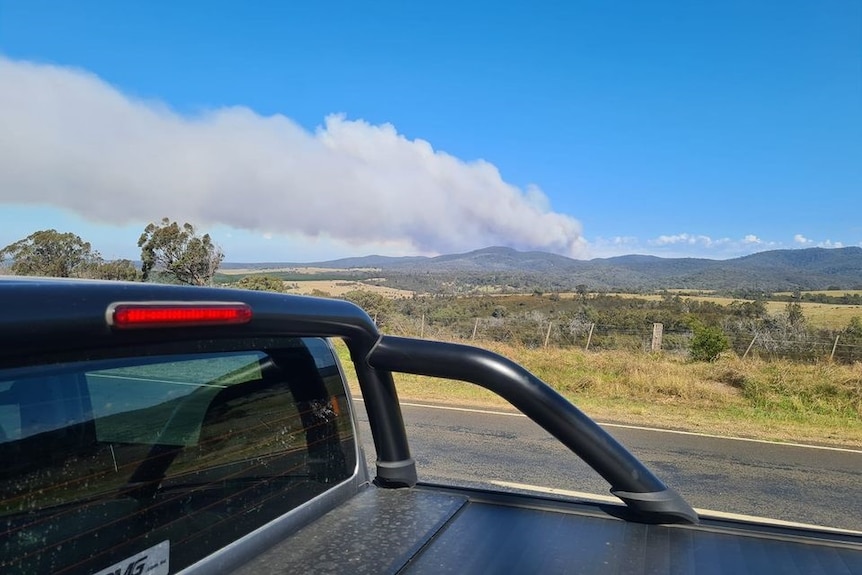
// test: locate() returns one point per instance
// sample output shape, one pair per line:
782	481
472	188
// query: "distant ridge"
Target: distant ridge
776	270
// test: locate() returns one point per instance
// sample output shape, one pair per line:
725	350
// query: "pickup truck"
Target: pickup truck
151	429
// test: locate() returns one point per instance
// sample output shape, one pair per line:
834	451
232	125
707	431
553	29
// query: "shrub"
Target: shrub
708	343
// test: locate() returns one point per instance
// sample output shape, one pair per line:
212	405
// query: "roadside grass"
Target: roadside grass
773	400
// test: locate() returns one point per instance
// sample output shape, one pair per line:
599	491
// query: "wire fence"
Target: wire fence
543	332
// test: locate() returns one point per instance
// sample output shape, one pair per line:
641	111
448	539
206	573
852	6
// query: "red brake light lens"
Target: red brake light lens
181	314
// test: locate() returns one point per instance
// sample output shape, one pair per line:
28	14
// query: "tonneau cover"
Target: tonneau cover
432	530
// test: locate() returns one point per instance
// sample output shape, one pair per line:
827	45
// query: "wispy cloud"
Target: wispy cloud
71	140
688	239
682	245
801	240
830	244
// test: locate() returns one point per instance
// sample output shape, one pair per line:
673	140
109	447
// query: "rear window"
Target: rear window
148	464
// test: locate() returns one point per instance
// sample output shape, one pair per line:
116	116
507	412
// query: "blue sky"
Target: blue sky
304	131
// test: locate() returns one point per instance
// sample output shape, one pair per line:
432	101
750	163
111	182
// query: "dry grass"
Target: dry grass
825	315
752	398
336	288
833	293
296	270
818	315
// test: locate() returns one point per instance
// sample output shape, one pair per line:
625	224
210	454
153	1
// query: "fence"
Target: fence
544	332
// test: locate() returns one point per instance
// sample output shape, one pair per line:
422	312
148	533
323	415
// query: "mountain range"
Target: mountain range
776	270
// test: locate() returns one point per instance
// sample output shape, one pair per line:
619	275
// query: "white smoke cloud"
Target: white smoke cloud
70	140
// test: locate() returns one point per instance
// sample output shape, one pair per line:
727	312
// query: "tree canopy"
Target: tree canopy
376	305
261	283
123	270
54	254
178	253
49	253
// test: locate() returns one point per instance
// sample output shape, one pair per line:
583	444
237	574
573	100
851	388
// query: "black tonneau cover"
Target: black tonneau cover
434	530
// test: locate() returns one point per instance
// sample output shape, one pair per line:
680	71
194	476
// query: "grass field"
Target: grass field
818	315
294	270
338	288
825	315
832	293
329	287
778	400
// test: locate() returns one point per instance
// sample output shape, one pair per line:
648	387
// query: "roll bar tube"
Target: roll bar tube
630	479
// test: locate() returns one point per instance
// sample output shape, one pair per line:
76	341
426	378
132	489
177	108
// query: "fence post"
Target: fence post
656	336
589	337
422	328
749	346
475	327
548	335
834	345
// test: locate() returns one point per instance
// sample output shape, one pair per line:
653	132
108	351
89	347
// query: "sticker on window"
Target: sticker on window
152	561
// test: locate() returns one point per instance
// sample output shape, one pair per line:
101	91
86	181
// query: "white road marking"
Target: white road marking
706	513
750	440
467	409
640	428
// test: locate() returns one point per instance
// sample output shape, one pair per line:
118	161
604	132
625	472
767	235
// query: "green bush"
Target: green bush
708	343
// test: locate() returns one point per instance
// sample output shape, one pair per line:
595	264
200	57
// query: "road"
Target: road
786	482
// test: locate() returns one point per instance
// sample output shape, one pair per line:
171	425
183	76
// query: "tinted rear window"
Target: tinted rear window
150	464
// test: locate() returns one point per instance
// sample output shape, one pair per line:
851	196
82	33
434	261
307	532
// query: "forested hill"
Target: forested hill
777	270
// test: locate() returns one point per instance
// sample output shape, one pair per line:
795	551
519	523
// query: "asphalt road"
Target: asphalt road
786	482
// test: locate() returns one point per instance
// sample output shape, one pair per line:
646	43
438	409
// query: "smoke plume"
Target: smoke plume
70	140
